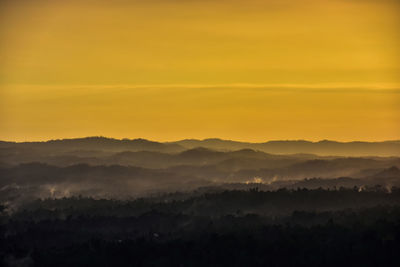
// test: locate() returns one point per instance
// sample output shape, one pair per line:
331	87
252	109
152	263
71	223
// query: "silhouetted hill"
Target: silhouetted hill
97	143
32	180
37	180
325	147
392	172
17	153
98	166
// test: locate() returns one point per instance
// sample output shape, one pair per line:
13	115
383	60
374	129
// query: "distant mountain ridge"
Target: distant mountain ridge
99	166
323	148
98	143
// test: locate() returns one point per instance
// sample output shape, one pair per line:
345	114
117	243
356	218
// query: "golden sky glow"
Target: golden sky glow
171	69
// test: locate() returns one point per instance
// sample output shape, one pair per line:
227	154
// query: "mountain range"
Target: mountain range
324	147
104	167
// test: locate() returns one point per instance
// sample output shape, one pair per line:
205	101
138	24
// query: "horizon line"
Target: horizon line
196	139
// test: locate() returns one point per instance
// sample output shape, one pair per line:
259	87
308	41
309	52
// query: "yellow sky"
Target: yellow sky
171	69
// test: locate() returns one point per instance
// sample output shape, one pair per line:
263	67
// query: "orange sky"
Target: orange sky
170	69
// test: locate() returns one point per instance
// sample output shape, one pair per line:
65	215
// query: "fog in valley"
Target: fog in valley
124	169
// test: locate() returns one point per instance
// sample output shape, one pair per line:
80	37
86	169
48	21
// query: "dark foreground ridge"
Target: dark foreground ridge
347	227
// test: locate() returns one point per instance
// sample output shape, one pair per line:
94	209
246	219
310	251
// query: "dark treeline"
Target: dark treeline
203	203
225	228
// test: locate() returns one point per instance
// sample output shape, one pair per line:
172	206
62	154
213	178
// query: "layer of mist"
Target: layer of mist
110	168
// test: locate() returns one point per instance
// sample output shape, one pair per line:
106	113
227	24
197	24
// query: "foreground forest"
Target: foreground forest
107	202
228	228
